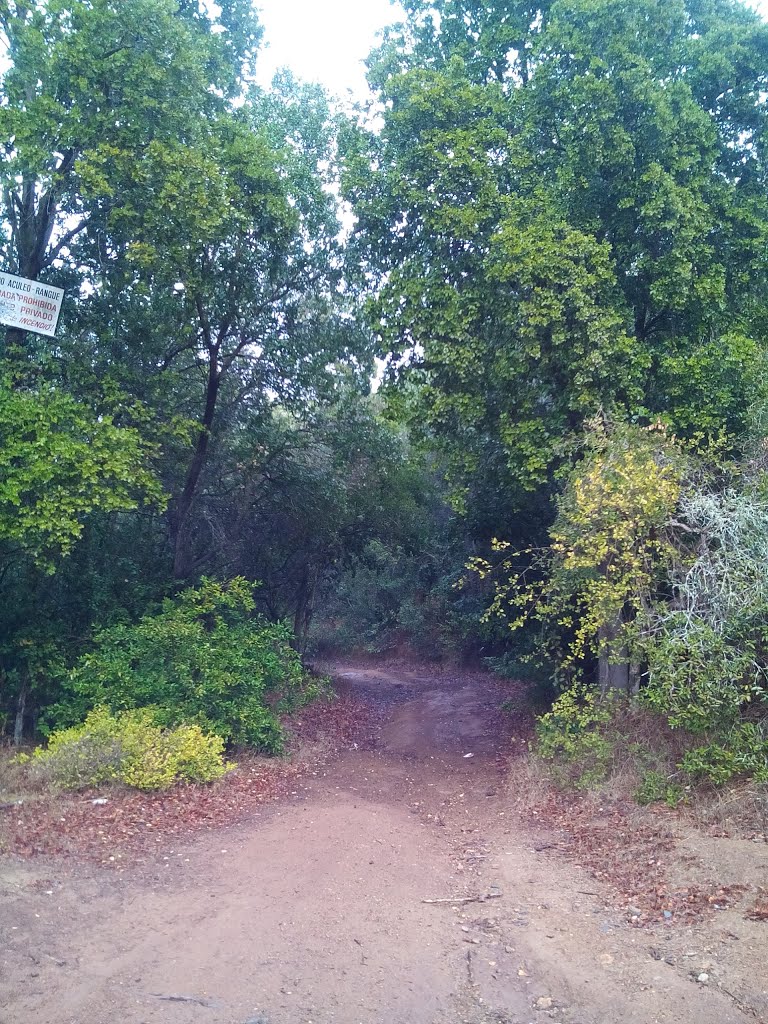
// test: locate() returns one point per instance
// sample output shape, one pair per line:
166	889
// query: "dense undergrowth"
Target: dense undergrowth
157	702
623	747
517	415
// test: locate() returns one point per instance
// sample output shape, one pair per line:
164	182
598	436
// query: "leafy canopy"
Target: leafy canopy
58	463
565	210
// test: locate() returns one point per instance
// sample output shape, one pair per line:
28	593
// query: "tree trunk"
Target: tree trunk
180	517
32	217
21	707
612	676
15	346
305	606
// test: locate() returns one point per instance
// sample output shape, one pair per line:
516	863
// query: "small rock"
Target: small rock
544	1003
100	801
703	979
634	911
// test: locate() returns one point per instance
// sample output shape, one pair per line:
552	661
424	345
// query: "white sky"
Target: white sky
326	41
323	41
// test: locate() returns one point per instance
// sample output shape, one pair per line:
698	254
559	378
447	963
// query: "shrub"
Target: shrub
743	752
607	551
129	747
656	787
697	625
705	651
314	688
387	596
205	659
570	737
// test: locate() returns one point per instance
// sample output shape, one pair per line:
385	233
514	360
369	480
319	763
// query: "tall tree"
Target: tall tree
87	80
235	242
565	209
192	219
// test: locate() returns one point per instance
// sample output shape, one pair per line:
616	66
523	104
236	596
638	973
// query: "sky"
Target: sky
326	41
323	41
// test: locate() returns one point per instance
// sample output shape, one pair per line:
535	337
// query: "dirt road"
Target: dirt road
314	911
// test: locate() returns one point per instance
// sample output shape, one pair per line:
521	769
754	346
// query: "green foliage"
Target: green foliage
130	747
204	659
562	220
190	216
741	752
387	597
570	738
314	688
399	588
58	463
699	678
608	550
705	652
678	561
564	214
525	656
90	89
655	787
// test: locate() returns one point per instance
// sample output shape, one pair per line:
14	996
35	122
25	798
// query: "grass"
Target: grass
640	766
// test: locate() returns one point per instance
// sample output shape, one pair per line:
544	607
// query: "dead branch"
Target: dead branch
181	999
481	898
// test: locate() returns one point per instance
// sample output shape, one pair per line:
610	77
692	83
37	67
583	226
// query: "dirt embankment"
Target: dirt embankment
395	885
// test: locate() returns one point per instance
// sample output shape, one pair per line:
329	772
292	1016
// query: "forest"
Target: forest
475	370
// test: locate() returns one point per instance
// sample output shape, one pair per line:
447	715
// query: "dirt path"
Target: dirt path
313	912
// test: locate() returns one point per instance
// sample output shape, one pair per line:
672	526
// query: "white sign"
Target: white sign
30	305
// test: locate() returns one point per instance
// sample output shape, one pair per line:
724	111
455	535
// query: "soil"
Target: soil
395	885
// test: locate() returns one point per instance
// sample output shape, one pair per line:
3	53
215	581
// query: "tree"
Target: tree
565	211
89	79
192	220
57	464
290	497
235	243
607	557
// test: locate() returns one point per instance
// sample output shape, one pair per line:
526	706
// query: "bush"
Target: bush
743	752
706	653
656	787
698	677
205	659
386	597
132	748
696	628
571	739
527	658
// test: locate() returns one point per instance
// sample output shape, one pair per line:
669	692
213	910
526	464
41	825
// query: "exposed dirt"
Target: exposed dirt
312	908
120	827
